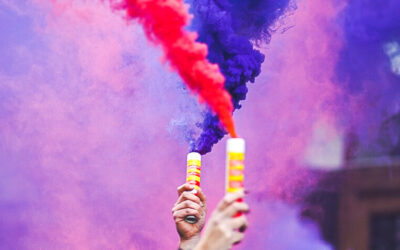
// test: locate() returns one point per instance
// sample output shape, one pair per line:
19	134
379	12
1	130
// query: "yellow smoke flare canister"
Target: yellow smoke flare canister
193	178
235	149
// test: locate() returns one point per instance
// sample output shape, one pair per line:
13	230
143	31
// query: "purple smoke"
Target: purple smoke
230	28
367	70
87	163
86	160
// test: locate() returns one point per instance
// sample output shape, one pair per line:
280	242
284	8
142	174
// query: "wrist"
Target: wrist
189	244
201	245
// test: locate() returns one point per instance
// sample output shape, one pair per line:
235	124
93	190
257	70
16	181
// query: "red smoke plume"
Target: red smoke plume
164	22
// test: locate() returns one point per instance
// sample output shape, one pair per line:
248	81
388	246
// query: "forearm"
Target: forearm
189	244
212	242
201	246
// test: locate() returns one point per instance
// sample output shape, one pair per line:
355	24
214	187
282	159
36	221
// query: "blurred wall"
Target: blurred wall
364	194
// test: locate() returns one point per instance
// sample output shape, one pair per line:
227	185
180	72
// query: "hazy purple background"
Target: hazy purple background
92	127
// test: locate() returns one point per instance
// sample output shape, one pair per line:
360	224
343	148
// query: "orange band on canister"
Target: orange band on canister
235	149
193	169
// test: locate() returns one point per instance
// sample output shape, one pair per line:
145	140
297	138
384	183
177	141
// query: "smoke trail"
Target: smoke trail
283	222
367	69
76	92
230	28
83	115
186	55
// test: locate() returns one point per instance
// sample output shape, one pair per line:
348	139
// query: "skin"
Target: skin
189	204
223	229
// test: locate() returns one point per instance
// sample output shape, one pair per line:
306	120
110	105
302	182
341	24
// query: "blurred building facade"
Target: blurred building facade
357	205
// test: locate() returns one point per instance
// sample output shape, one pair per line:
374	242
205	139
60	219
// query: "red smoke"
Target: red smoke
164	22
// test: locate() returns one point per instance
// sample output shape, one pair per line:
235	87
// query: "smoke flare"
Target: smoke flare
230	29
186	55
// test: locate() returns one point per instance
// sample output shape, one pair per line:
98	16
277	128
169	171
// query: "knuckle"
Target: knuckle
240	206
226	233
198	208
214	222
225	201
190	204
236	205
180	189
186	195
194	205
